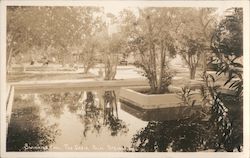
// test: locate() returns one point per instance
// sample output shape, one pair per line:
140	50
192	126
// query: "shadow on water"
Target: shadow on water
27	131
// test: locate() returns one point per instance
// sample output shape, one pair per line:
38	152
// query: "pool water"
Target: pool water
70	121
96	121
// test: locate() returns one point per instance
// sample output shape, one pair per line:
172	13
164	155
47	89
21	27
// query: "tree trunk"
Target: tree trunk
110	67
115	102
86	70
152	59
204	57
162	68
192	73
8	64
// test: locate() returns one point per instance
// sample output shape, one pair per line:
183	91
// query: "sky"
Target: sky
116	9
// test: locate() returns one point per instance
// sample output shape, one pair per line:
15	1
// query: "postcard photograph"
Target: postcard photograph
123	78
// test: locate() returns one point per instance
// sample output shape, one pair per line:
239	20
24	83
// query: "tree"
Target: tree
194	34
228	36
111	47
113	52
151	38
58	27
112	44
17	31
93	26
89	53
191	52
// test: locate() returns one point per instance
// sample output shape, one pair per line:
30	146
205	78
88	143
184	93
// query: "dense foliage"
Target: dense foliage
227	45
60	28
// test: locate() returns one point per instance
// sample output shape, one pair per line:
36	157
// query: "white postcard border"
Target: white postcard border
244	4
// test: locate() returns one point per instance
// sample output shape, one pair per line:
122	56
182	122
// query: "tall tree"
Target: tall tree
194	36
112	44
151	38
191	51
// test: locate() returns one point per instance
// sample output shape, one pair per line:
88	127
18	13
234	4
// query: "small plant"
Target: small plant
186	96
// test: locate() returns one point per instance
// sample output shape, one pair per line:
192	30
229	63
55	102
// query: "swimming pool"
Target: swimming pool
94	120
70	121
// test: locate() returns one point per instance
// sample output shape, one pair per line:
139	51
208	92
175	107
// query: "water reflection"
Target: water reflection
56	102
42	122
95	109
91	120
99	116
182	135
94	113
28	131
111	119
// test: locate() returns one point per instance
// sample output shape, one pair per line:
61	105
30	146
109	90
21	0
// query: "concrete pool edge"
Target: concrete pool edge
9	103
155	101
